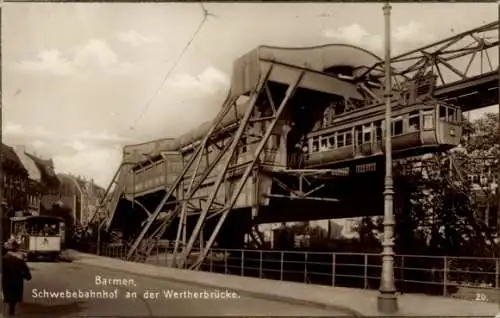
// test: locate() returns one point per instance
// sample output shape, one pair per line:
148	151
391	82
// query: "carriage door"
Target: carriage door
367	140
358	141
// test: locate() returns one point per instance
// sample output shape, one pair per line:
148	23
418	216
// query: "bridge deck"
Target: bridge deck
336	298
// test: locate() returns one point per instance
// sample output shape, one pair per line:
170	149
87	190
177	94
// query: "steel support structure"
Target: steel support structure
106	197
224	211
178	181
197	157
458	61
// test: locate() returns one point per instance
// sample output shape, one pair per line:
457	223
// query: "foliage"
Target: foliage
439	213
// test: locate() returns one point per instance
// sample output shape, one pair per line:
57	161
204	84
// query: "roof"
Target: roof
46	168
318	58
9	154
28	163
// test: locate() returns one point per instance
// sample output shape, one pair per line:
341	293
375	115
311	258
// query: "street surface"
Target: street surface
53	281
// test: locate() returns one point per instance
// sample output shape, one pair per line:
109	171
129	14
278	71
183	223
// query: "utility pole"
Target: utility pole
2	209
387	300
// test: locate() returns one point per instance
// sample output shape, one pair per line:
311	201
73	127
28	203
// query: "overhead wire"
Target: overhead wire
206	14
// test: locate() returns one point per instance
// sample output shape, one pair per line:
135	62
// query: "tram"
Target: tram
359	135
39	236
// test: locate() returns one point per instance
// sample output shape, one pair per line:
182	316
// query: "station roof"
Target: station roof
317	58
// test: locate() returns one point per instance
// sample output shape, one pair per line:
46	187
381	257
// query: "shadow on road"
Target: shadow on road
45	310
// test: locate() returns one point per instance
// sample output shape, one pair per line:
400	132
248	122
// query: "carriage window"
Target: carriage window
359	135
397	127
340	140
442	112
451	115
348	138
367	131
428	120
414	122
315	145
331	141
378	130
324	144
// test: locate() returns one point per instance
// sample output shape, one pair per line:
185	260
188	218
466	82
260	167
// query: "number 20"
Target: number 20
481	297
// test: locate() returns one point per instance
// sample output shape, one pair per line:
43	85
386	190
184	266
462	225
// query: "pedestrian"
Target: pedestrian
14	272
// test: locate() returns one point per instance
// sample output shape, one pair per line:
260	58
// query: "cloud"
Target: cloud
38	136
104	161
404	36
12	129
209	81
134	38
50	61
413	33
99	136
356	35
86	153
95	55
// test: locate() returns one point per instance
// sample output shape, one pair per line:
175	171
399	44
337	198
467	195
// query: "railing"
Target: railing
459	277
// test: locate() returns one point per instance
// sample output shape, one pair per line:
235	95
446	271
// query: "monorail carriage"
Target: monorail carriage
359	135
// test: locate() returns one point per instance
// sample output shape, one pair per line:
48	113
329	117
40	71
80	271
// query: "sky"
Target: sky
82	80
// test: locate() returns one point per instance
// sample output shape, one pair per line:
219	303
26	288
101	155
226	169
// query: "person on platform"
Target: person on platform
14	272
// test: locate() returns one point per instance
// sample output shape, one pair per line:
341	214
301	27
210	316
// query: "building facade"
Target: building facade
15	182
80	195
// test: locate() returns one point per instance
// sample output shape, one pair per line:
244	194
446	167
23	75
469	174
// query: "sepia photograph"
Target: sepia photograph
250	159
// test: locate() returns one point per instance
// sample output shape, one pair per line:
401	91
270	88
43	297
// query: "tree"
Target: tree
436	211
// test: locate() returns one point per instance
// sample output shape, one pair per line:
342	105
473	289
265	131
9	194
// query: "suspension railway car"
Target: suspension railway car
355	132
416	129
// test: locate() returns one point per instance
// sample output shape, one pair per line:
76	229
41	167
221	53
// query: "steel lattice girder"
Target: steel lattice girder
448	54
229	205
197	157
113	189
177	182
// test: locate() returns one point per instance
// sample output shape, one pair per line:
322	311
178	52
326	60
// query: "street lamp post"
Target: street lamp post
387	300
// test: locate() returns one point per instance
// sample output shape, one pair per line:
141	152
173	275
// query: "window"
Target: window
451	115
315	145
413	122
397	127
348	138
359	135
378	130
331	141
442	112
340	140
324	144
367	132
428	120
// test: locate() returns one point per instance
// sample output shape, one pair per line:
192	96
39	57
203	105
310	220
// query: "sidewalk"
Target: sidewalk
358	302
